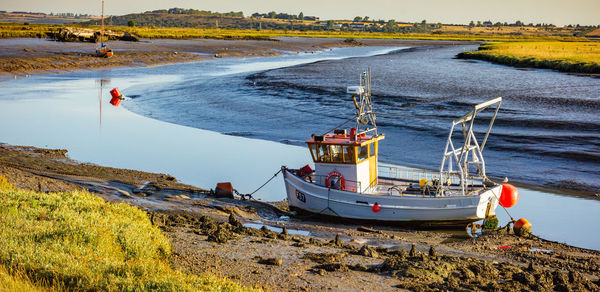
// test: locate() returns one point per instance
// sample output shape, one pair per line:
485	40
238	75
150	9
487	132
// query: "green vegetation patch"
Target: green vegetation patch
79	241
15	30
579	57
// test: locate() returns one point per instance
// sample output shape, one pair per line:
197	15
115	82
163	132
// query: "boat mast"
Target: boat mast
364	106
102	25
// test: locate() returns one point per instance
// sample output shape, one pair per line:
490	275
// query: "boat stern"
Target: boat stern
488	202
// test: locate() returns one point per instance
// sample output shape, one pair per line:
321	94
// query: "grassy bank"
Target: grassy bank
14	30
580	57
78	241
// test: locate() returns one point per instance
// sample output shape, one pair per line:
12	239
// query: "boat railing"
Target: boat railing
349	185
415	175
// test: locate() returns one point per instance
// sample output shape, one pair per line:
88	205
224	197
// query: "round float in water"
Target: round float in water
509	196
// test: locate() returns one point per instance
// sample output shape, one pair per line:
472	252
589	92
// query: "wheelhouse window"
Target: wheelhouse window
372	148
333	153
349	154
337	156
313	152
324	155
364	152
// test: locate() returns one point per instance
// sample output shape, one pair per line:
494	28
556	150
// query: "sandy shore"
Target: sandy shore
40	56
208	234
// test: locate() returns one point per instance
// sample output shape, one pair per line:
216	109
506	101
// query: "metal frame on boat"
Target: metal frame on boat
348	181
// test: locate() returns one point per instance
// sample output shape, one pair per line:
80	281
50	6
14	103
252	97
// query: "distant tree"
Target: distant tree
131	23
272	14
391	26
471	24
518	23
357	19
330	24
366	18
301	16
478	22
423	22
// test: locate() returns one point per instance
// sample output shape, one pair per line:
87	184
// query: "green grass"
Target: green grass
581	57
13	30
78	241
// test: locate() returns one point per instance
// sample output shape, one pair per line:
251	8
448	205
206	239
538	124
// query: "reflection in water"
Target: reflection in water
60	111
101	82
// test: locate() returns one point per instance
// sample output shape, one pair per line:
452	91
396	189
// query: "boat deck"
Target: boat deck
394	181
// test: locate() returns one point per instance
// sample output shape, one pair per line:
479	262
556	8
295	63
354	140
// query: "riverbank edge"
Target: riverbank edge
206	239
566	66
56	58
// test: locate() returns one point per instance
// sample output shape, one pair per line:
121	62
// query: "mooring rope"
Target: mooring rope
250	195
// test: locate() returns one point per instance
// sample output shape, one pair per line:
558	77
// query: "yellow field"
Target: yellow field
564	56
509	30
8	30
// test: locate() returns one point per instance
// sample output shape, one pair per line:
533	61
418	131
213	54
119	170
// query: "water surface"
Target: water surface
237	98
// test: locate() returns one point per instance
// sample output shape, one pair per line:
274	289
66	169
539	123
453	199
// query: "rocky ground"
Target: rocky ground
226	237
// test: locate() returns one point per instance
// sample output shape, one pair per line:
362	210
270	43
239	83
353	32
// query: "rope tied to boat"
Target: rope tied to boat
249	196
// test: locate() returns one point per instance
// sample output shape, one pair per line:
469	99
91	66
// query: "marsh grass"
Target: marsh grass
78	241
13	30
581	57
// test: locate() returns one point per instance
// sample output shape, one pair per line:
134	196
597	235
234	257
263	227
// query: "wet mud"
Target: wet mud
38	56
286	253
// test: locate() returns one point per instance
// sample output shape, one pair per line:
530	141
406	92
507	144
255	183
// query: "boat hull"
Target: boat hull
450	210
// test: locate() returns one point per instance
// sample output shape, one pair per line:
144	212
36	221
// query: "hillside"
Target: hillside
158	19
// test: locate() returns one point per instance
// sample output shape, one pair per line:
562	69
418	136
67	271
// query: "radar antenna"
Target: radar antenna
364	105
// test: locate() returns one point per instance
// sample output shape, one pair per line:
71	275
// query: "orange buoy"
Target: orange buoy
116	93
509	196
522	227
117	97
375	208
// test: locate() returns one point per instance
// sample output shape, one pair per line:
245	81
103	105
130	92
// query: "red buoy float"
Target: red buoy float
117	97
509	196
375	208
522	227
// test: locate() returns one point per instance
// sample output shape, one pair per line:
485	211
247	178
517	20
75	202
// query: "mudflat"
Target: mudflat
42	56
261	244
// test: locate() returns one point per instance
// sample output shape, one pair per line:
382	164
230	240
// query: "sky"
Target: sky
557	12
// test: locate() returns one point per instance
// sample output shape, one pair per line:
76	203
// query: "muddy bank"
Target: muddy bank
39	56
260	244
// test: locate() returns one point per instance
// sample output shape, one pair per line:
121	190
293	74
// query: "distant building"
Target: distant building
357	25
487	23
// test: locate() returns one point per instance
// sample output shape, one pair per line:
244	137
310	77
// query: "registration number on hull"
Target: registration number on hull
301	196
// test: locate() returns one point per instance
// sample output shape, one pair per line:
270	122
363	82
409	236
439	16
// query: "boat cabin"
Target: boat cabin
346	161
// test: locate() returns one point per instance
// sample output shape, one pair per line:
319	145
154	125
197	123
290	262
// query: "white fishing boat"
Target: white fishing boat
349	182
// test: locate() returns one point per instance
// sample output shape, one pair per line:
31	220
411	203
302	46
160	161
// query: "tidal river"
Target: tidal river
174	118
